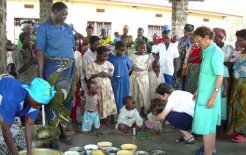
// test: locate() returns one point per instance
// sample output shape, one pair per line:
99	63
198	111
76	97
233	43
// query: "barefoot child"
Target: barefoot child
155	78
101	71
139	78
90	103
153	122
129	116
120	79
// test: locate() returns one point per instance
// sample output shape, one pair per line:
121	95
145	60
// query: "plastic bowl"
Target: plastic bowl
42	151
141	153
71	153
130	147
125	152
77	148
104	144
112	150
88	148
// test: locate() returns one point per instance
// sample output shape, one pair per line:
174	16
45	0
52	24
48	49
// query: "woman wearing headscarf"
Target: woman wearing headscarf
183	45
127	39
237	104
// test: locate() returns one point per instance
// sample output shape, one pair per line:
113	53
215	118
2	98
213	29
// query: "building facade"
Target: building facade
114	14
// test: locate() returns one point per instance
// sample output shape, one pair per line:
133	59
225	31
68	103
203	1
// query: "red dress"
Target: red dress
73	114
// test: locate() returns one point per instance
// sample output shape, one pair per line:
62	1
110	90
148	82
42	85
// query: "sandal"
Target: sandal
200	151
231	134
238	139
184	141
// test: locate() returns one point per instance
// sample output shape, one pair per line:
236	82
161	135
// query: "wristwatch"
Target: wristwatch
216	89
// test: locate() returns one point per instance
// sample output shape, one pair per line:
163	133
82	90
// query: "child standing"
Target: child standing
101	71
25	61
155	78
91	104
139	78
120	79
153	122
129	116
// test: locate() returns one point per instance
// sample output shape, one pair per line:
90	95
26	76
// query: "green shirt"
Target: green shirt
211	67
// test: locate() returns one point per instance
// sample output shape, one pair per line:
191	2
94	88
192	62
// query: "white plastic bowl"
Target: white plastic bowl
71	153
90	147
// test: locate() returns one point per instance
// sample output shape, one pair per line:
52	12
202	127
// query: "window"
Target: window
101	10
99	25
152	29
28	6
17	25
158	15
205	19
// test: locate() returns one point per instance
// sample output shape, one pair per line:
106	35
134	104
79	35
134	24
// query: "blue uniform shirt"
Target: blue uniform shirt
12	97
56	42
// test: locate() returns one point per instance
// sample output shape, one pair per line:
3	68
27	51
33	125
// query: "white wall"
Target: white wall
82	12
15	9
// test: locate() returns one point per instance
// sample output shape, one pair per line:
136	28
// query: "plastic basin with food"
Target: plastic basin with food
158	152
42	151
88	148
141	153
104	144
125	152
112	150
130	147
45	137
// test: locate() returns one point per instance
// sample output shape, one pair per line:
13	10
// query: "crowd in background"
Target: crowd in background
120	76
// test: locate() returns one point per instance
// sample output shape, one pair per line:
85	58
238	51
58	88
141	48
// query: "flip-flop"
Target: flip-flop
184	141
231	134
238	139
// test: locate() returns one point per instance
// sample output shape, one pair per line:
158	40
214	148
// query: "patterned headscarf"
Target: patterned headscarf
220	33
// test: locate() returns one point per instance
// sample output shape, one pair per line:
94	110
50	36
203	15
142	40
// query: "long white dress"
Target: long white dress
139	80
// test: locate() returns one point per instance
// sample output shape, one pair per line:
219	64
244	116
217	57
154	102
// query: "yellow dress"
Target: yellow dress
107	106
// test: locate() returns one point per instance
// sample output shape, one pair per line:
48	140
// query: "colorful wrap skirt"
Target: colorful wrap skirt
61	73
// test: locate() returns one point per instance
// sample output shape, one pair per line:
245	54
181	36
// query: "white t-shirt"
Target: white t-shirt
166	57
228	51
181	101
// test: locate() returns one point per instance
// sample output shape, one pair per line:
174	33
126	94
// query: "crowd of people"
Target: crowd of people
196	83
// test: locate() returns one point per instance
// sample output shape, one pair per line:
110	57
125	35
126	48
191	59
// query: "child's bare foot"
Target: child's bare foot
90	133
98	134
158	132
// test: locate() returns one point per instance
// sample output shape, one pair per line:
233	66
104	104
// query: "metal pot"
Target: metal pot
42	151
51	142
112	150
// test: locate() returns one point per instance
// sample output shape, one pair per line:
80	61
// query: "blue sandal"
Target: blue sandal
200	151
